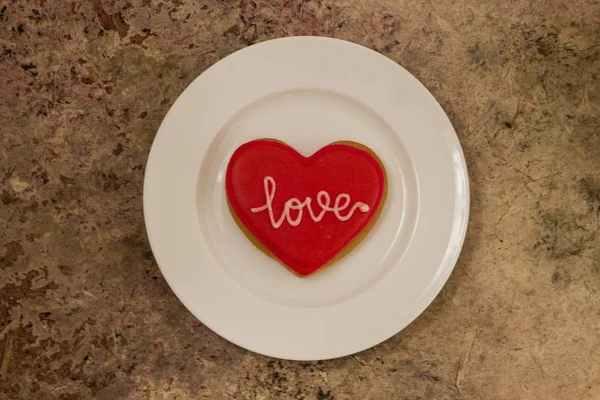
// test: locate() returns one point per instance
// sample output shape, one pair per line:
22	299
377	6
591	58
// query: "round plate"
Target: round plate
307	92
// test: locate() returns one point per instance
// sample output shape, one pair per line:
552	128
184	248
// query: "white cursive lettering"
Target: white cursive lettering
342	201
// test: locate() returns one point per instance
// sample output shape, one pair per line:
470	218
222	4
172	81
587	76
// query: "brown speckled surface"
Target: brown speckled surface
84	311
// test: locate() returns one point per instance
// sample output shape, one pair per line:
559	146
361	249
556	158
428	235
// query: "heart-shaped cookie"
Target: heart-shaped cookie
306	211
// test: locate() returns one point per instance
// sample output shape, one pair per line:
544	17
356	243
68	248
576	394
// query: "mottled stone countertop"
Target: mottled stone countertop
84	310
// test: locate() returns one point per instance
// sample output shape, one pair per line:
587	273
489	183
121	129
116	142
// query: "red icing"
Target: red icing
336	169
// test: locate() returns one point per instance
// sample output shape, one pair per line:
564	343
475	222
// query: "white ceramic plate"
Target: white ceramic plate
308	92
